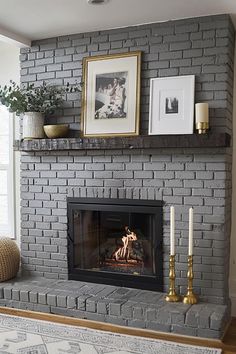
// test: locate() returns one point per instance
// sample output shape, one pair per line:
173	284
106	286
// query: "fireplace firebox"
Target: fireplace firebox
115	241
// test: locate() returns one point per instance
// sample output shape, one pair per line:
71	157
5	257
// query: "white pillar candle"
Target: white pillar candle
190	245
201	112
172	231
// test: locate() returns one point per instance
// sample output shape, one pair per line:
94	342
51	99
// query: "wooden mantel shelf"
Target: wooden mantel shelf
211	140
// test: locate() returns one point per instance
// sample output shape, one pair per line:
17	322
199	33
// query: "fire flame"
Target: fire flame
123	252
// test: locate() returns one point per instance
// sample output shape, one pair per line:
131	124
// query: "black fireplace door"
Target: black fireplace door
116	242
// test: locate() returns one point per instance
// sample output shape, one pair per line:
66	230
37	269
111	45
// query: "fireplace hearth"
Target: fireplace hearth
117	242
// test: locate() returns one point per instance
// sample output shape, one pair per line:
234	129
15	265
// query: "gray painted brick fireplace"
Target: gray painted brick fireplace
182	177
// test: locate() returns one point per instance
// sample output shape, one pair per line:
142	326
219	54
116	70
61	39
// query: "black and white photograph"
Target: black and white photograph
111	95
172	105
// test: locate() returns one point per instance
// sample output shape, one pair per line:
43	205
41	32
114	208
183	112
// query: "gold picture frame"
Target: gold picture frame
111	95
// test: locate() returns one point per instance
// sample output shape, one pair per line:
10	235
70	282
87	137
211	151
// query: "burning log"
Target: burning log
123	252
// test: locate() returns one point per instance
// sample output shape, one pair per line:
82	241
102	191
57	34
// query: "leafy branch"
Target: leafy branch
45	98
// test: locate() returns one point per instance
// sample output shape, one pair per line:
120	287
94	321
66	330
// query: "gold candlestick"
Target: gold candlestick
172	296
202	127
190	297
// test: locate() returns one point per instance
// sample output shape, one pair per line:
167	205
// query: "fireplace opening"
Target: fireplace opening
116	242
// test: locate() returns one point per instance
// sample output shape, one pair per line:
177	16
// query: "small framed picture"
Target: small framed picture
171	105
111	95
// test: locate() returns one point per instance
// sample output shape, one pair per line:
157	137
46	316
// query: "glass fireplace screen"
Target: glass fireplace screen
114	239
114	242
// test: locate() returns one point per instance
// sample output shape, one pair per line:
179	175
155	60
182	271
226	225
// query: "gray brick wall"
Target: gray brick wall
182	177
201	46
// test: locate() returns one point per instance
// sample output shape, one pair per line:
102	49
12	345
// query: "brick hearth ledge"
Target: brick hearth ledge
111	304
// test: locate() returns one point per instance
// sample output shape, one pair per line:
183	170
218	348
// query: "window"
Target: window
7	217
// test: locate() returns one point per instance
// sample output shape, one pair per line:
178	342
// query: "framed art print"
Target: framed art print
111	95
171	105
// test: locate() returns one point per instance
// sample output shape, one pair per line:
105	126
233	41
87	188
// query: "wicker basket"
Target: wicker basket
9	259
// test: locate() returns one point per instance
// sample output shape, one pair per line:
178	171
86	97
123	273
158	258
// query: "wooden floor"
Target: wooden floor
229	342
228	345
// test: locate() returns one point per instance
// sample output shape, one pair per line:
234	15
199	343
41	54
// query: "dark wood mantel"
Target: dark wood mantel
211	140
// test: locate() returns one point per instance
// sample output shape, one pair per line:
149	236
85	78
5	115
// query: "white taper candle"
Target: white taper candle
172	231
190	245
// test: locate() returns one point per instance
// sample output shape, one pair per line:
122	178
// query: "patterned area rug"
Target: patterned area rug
26	336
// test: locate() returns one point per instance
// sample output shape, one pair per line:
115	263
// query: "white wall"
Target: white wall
9	63
10	70
232	280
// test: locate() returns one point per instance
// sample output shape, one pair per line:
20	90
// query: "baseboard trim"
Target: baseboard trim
206	342
233	305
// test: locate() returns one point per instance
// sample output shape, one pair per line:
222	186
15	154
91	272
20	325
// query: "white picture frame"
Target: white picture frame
111	95
171	109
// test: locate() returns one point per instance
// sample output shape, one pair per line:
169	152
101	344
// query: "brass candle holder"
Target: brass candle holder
190	297
202	127
172	296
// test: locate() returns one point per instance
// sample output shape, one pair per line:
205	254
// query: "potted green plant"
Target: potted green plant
34	103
